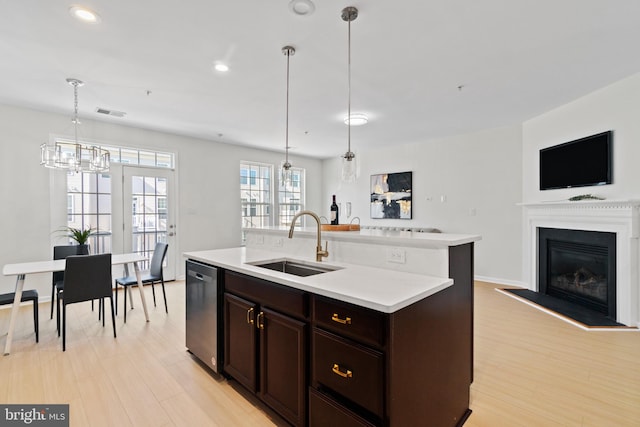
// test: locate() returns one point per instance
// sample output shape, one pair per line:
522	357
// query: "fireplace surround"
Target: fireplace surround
621	218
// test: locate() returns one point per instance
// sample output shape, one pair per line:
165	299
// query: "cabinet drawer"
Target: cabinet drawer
350	320
349	369
324	411
281	298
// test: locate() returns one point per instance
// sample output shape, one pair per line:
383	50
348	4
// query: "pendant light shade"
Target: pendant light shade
349	167
73	155
285	166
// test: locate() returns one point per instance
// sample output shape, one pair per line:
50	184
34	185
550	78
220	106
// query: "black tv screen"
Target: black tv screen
580	163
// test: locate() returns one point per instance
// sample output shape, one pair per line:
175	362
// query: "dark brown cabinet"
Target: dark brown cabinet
266	343
406	368
240	341
320	362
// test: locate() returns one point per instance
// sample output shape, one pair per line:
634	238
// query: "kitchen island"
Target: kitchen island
351	344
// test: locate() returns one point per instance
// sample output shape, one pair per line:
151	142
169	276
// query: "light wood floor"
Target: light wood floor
531	369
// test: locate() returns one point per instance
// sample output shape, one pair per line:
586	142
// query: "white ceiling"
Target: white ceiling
514	59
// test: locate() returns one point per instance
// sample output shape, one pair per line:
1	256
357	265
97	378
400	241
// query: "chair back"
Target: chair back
157	259
87	277
61	252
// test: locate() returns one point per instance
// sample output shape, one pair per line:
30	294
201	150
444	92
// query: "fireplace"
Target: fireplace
621	218
578	266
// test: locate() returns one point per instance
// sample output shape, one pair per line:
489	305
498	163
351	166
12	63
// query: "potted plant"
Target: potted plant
80	235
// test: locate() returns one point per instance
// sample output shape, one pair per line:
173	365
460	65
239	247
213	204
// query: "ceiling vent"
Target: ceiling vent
113	113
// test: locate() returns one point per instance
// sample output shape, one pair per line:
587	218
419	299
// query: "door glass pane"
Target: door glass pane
149	213
161	186
137	186
104	183
89	206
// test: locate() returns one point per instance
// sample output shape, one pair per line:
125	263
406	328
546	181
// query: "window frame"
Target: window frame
254	185
287	210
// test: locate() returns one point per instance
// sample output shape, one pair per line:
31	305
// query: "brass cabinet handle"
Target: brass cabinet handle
260	324
250	316
345	321
336	370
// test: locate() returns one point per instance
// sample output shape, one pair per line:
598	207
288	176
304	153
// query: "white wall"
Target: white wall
615	107
207	178
480	171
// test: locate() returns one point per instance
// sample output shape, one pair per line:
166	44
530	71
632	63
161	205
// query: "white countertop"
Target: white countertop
377	236
376	288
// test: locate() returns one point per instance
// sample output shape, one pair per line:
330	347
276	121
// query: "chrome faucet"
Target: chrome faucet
319	251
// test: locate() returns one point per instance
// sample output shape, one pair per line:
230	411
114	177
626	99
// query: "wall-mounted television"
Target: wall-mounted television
580	163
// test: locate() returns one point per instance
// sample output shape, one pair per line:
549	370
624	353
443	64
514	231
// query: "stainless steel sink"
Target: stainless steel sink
296	268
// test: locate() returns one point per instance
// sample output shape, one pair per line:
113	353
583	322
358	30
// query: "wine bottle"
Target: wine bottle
334	211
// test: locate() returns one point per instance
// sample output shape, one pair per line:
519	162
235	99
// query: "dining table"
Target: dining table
22	269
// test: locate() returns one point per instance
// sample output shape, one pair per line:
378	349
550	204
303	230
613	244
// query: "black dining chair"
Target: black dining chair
86	278
61	252
152	276
27	295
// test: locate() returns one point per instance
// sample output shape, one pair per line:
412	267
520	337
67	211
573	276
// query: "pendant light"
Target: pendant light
285	167
349	169
73	155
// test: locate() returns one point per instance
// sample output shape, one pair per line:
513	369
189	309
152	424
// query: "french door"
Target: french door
148	213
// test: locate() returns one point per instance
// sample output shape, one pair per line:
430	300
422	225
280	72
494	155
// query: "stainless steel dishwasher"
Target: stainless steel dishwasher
204	334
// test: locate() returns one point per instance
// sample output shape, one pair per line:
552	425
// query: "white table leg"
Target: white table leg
128	289
14	312
144	301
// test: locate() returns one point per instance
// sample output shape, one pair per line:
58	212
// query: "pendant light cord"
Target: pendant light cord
75	111
349	14
288	51
286	155
349	84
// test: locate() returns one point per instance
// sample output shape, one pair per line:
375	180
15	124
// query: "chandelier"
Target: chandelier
73	155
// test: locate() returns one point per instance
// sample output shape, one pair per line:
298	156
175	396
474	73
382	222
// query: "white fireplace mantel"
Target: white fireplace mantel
616	216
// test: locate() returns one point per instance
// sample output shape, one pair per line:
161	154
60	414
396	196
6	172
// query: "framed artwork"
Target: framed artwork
391	195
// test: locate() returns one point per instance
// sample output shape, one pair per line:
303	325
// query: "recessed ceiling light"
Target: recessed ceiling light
219	66
357	119
302	7
84	14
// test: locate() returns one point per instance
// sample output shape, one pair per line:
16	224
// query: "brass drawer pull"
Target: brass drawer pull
336	370
345	321
250	316
261	320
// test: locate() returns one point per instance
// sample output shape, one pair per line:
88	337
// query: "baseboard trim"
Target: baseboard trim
499	281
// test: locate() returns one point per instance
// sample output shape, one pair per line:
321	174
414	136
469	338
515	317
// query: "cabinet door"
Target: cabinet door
240	347
283	361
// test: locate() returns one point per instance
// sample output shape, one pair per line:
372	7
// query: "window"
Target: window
255	195
89	206
134	156
291	198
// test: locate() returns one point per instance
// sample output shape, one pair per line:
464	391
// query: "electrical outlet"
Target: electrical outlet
260	239
396	255
278	242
